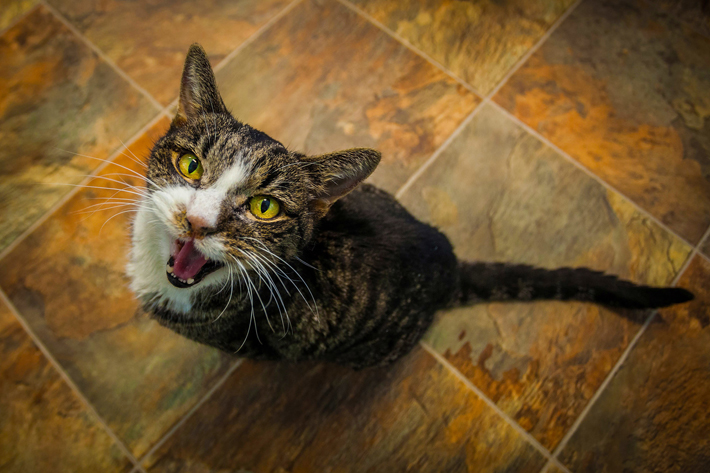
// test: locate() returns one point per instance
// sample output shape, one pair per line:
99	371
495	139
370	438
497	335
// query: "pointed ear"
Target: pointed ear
334	175
198	89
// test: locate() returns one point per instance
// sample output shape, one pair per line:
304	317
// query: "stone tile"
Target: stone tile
478	41
501	195
67	280
149	40
323	78
13	9
55	95
623	89
705	248
414	416
43	425
654	415
695	12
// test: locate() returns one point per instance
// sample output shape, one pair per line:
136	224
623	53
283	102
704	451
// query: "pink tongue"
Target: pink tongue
188	261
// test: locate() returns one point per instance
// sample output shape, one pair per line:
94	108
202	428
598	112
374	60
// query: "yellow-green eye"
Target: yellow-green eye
190	166
264	207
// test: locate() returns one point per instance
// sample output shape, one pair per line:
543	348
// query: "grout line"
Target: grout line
590	173
438	151
703	240
18	19
255	35
535	47
532	440
67	379
194	408
102	55
93	175
410	46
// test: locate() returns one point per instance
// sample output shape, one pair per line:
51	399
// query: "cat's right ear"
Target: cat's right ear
198	88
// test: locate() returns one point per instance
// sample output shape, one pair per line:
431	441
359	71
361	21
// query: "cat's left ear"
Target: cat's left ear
334	175
198	88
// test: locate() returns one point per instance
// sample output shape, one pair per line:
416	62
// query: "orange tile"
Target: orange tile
623	89
323	78
478	41
43	424
149	40
654	414
412	416
55	95
67	279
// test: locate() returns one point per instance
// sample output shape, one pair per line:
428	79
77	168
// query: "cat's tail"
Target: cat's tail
481	282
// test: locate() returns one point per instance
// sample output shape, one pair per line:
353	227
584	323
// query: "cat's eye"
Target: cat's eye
190	166
264	207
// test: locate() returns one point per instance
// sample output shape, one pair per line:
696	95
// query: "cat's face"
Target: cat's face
224	199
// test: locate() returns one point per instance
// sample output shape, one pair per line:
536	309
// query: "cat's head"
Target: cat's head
221	193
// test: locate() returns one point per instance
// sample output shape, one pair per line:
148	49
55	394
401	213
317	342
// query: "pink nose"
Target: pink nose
199	224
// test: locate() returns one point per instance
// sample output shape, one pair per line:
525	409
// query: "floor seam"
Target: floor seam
102	55
15	21
534	48
67	379
589	172
411	47
236	364
467	382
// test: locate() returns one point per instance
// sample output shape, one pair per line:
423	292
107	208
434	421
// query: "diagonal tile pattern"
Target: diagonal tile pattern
652	417
57	98
148	40
628	102
66	279
43	425
413	416
493	188
324	79
478	41
620	86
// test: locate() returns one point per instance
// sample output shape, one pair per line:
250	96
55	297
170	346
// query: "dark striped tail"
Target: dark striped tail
503	282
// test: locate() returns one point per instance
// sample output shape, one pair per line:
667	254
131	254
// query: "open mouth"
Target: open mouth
187	266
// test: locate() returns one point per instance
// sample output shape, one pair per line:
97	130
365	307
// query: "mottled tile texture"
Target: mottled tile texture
478	41
413	416
67	280
501	195
13	9
623	89
323	79
149	40
654	414
43	424
55	95
694	12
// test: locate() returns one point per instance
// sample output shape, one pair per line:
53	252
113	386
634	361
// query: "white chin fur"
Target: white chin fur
150	252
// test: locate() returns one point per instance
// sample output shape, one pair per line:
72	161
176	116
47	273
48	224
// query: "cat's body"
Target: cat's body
339	273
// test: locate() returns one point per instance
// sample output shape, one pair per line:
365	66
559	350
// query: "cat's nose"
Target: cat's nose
199	226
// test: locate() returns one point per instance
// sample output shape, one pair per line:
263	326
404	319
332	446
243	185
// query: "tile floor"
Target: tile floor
547	132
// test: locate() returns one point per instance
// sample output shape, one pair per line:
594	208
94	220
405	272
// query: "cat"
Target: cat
246	246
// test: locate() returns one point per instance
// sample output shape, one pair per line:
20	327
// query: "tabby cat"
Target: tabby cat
244	245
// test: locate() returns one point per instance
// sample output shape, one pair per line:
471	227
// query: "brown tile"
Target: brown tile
623	89
414	416
323	78
55	95
654	414
149	40
67	280
501	195
694	12
43	425
705	248
13	9
478	41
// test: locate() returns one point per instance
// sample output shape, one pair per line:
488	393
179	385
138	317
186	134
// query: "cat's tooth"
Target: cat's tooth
190	281
207	258
169	269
